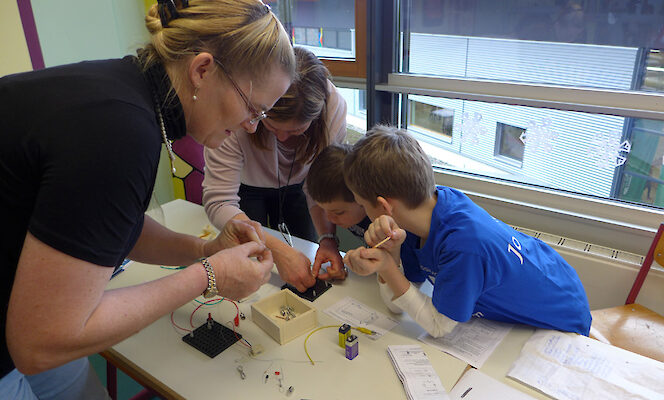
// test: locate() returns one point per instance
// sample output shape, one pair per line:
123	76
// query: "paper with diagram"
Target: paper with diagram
355	313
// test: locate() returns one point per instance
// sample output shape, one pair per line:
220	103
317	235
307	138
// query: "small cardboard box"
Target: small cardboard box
266	313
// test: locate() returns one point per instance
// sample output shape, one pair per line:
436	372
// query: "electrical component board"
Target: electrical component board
313	292
211	338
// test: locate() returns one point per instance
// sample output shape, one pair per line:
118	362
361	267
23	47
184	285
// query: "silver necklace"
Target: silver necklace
169	147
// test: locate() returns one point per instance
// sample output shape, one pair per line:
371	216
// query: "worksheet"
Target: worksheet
568	366
416	373
472	341
475	385
355	313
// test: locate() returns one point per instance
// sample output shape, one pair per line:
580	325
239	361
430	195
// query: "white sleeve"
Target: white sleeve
387	294
420	307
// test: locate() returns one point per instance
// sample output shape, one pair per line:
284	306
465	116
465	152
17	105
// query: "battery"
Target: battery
344	332
352	347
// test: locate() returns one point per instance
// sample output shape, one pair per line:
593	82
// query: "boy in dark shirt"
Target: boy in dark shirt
325	184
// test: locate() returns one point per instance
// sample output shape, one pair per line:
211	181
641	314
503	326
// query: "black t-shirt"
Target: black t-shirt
359	228
79	155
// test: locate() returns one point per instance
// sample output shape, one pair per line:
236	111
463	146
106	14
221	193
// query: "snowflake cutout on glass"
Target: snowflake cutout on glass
606	150
539	136
471	127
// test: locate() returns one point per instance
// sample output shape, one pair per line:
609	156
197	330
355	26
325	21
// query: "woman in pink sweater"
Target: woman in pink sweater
260	176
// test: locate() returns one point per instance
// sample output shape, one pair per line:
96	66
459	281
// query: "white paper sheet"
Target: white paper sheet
415	371
475	385
574	367
355	313
472	341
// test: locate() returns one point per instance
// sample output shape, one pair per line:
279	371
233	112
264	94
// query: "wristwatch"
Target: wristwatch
329	236
211	290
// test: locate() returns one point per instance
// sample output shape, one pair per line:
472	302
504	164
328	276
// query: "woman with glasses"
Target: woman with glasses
81	145
260	176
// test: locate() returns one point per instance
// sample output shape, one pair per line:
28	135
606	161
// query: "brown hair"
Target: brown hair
388	162
325	180
305	100
243	34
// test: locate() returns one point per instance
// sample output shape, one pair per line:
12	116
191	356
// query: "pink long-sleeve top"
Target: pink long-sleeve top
237	161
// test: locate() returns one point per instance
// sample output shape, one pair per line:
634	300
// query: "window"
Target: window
431	120
328	29
510	142
356	114
503	53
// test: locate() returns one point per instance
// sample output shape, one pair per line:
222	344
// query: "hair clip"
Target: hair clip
267	6
172	11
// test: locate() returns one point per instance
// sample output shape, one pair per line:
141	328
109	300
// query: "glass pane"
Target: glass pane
599	155
326	27
600	44
430	119
356	115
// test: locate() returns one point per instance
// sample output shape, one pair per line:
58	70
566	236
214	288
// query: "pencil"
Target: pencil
381	242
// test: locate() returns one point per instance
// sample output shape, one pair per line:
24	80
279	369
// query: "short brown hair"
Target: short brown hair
305	100
325	180
388	162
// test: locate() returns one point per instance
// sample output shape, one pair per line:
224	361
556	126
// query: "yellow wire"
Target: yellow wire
311	333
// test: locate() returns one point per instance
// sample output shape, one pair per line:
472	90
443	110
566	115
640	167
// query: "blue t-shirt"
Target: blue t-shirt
480	266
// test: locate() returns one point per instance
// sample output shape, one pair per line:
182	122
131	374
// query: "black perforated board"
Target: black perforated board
319	287
212	341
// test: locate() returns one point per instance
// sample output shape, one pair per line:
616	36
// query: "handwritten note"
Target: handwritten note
572	367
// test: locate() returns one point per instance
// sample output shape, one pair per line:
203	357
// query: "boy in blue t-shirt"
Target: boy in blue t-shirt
478	265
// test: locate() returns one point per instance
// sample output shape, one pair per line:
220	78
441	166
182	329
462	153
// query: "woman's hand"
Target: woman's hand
294	267
238	274
234	233
329	252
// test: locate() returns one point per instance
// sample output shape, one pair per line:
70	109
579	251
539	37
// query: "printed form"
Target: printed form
472	341
415	371
573	367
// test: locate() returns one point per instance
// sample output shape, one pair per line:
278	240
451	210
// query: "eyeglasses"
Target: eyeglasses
256	115
285	233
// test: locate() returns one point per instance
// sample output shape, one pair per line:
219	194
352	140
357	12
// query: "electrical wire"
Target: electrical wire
180	267
176	325
311	333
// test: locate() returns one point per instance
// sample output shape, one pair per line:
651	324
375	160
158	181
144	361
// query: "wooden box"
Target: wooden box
267	313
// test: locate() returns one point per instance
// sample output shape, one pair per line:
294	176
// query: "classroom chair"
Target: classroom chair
634	327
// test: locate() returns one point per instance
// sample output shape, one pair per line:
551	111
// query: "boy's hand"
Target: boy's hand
328	251
365	261
381	228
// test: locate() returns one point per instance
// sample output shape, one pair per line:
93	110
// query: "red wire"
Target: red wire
176	325
237	316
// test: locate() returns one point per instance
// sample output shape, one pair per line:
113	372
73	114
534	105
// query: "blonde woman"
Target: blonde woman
77	171
260	176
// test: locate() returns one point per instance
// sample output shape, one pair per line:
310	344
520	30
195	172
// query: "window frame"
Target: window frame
499	136
611	223
353	68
